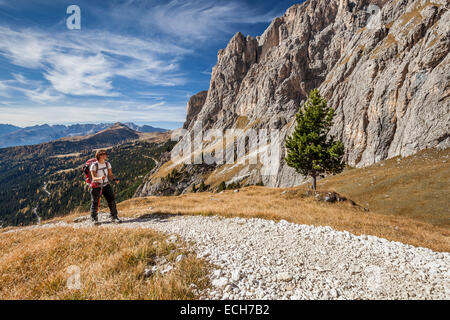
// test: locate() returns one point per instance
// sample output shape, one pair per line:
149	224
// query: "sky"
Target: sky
130	61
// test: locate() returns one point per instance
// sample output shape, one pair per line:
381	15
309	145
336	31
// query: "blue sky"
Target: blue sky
132	60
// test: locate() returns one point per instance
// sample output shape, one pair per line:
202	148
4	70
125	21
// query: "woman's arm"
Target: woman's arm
94	178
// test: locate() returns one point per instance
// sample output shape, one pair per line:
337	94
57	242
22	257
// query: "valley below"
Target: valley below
45	180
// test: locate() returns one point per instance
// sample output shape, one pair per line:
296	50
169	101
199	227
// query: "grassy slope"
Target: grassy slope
34	265
415	187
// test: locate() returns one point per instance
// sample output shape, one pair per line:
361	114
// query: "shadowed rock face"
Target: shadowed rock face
387	78
194	106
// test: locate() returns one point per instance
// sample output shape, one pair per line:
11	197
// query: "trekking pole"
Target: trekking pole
100	197
115	189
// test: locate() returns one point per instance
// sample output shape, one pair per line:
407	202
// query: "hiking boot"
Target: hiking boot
116	220
95	221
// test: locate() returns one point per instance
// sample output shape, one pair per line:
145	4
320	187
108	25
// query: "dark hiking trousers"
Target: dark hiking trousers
108	192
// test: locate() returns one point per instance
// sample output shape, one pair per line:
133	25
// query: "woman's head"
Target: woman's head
101	153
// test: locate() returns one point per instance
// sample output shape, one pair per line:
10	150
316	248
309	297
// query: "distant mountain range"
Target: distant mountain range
114	135
16	136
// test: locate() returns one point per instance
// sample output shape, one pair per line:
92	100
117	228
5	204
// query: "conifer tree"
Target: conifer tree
309	149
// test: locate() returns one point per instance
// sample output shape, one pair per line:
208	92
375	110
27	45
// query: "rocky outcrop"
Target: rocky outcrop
194	106
178	181
391	87
386	74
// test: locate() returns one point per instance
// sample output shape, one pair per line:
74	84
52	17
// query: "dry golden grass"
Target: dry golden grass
156	137
35	263
241	122
67	155
414	187
223	173
357	50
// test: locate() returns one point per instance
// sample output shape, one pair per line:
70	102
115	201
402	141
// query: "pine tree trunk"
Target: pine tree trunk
314	182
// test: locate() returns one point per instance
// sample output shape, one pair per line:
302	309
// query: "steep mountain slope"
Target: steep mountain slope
386	74
144	128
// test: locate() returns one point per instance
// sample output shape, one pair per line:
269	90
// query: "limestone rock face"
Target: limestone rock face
391	88
194	106
385	72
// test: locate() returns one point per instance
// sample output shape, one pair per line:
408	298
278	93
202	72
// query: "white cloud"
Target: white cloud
86	63
207	72
42	95
21	79
78	75
33	89
191	20
154	62
22	49
74	67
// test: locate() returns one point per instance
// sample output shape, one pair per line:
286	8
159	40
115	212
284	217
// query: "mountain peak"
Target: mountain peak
119	125
375	67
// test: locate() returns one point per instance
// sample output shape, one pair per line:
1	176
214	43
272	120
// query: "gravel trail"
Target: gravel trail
262	259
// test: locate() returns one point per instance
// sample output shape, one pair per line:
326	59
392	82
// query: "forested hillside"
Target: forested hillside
47	185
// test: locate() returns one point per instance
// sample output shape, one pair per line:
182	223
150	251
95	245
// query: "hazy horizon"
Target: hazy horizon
169	125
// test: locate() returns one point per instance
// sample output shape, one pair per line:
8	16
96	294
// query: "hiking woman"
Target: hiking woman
101	172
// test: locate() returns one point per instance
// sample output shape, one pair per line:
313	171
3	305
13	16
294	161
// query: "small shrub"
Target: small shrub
234	185
203	187
222	186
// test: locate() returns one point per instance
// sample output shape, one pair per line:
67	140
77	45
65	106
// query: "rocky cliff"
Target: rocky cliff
194	105
383	65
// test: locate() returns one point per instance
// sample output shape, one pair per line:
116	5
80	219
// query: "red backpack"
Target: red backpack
87	173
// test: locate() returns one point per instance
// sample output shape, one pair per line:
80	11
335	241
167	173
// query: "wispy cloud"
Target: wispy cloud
78	75
42	95
207	72
22	48
35	90
191	21
86	63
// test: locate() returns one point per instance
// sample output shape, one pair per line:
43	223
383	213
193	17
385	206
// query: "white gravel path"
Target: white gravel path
262	259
